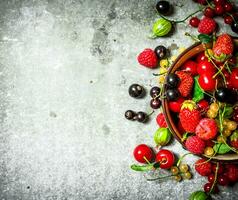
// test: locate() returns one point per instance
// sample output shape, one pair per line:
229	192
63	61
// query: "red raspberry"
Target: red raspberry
207	26
161	120
148	58
195	145
203	167
206	129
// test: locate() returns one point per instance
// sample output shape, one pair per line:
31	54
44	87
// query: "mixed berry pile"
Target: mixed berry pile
202	97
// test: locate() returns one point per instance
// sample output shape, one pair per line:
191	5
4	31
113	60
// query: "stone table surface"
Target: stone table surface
65	68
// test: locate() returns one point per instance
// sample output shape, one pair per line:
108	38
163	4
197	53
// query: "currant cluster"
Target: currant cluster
155	102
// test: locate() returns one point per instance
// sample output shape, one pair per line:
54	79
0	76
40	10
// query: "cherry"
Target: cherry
175	106
190	66
208	186
143	152
165	158
219	10
206	67
228	19
211	178
207	82
194	22
223	180
203	105
209	12
218	2
234	78
228	7
201	57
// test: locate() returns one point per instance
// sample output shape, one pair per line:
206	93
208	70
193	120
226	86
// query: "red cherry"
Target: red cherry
228	7
194	22
201	57
209	12
203	2
228	83
165	158
180	128
206	67
175	106
218	2
141	152
190	66
219	10
220	168
203	105
208	186
234	78
211	178
223	180
207	82
228	19
235	117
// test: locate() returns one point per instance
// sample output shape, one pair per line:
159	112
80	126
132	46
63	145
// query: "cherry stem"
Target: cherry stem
192	36
148	162
180	21
215	179
162	177
182	157
159	74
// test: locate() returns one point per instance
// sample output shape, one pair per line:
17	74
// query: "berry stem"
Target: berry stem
215	179
192	37
159	74
183	20
182	157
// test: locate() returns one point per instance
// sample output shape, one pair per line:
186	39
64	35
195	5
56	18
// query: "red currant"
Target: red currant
228	7
228	19
218	2
194	22
232	60
223	180
211	178
208	186
220	168
203	2
234	78
209	12
219	10
235	117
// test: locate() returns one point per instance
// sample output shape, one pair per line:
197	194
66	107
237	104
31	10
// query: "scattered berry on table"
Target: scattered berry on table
148	58
203	167
160	119
207	25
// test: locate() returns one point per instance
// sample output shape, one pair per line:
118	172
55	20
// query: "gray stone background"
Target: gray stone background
65	68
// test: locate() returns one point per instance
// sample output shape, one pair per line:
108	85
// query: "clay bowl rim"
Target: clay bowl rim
184	56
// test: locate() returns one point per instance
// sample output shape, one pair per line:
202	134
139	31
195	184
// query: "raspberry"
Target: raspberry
161	120
186	83
148	58
206	129
195	145
203	167
207	26
224	45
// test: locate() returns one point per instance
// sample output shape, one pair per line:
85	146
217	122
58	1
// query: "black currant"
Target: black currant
172	80
141	117
160	51
136	91
163	7
129	114
223	94
155	103
154	92
172	94
234	27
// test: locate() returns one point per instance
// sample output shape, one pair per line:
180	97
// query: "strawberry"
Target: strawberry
160	119
186	83
148	58
234	139
232	172
203	167
189	116
207	26
206	129
195	145
223	47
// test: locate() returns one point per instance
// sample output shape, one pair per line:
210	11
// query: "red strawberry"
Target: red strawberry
232	172
223	45
207	25
160	119
234	139
189	116
186	83
148	58
195	145
203	167
206	129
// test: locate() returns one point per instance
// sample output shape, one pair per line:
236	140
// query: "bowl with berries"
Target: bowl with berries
201	98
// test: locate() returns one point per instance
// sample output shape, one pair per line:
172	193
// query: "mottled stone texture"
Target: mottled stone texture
65	67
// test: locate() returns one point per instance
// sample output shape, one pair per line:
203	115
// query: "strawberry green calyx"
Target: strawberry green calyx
189	104
234	136
221	58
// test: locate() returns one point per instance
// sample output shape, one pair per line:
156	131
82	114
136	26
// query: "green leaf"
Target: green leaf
204	38
228	112
142	168
221	148
198	93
